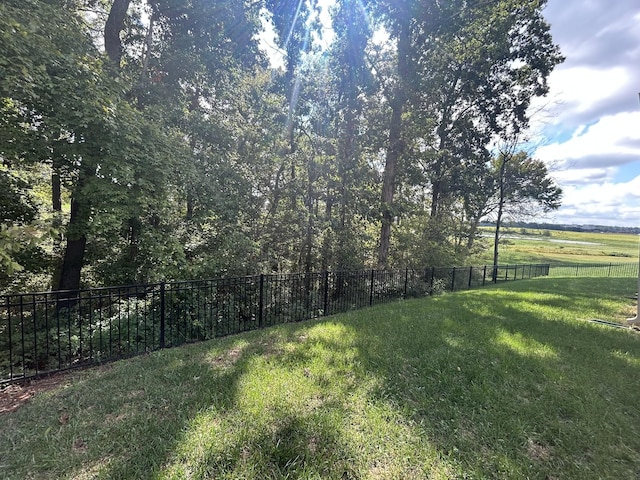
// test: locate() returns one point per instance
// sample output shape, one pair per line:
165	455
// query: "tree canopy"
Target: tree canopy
143	140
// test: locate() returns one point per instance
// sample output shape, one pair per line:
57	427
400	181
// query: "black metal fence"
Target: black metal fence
628	269
54	331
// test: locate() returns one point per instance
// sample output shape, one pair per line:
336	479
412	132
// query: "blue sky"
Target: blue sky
590	133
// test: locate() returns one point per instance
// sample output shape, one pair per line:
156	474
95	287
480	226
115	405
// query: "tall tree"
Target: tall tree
524	187
474	67
352	83
177	77
57	87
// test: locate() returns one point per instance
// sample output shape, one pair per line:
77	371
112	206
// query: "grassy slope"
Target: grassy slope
493	383
535	247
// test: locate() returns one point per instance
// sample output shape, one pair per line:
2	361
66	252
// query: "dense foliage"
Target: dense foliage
151	139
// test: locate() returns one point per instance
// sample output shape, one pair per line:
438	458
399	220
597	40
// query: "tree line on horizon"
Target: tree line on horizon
143	140
567	227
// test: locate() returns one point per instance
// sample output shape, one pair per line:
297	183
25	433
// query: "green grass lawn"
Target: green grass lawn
553	246
503	382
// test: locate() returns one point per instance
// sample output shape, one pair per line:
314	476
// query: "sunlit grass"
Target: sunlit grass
555	246
507	382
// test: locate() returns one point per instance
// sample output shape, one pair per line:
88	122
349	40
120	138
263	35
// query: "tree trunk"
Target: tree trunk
56	206
189	214
134	227
327	257
436	183
394	149
72	264
112	29
56	190
310	202
496	238
76	242
388	184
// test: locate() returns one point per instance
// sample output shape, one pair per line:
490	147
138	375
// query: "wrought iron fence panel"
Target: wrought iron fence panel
52	331
624	270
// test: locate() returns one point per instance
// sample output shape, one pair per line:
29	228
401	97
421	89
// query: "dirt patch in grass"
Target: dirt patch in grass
229	358
14	396
538	451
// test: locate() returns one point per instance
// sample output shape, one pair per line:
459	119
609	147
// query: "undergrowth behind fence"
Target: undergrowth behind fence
53	331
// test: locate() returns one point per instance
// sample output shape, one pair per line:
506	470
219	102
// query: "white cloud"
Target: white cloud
612	141
586	176
586	167
583	93
593	127
602	204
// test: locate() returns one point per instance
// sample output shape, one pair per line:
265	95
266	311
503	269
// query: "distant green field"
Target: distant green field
519	245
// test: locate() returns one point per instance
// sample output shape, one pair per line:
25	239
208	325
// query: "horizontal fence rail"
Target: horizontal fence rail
48	332
624	270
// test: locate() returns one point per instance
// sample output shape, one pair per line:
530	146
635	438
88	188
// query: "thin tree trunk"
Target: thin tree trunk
135	229
56	189
436	184
327	257
496	238
56	206
308	243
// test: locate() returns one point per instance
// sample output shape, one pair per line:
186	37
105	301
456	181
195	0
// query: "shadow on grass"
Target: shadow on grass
121	422
517	388
497	383
179	414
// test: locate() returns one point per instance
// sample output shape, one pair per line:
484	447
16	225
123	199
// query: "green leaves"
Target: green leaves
526	182
183	154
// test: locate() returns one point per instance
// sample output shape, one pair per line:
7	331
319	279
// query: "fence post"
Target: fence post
433	274
162	313
453	279
406	281
371	289
8	307
261	303
326	293
484	275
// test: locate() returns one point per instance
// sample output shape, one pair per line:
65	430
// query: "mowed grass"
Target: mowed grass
554	246
504	382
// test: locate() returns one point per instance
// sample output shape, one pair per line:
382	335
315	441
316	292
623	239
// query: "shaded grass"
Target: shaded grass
506	382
